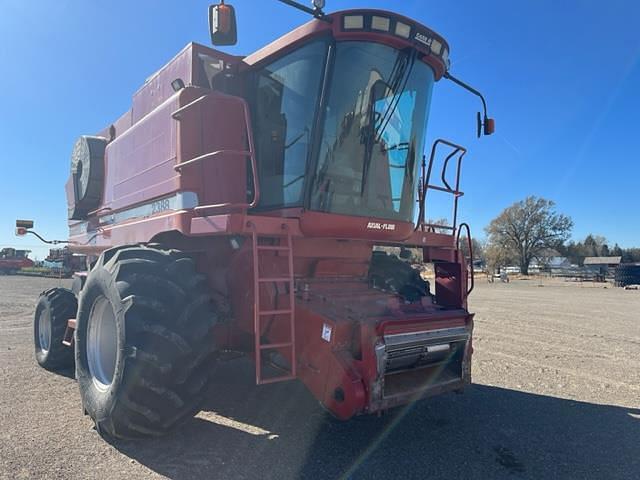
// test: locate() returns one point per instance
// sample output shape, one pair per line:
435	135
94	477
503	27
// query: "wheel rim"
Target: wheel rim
102	343
44	331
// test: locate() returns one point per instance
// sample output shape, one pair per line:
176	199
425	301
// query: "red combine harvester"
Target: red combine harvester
12	260
237	206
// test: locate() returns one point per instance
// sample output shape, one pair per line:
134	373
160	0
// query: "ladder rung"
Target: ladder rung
276	345
274	243
274	312
276	379
275	279
278	248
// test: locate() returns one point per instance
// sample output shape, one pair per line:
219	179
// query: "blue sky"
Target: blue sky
562	80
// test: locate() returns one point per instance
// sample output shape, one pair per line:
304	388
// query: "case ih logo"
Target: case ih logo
423	39
380	226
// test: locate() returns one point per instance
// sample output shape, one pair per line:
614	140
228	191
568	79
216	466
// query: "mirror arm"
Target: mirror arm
50	242
469	88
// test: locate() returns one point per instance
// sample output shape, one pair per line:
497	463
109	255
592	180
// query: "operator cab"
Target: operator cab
339	117
339	110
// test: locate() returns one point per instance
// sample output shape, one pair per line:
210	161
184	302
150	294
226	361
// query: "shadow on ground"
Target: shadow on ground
66	373
279	431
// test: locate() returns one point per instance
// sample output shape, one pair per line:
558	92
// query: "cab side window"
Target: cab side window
284	110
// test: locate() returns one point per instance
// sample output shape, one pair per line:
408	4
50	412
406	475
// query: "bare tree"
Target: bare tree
478	248
496	257
525	229
435	223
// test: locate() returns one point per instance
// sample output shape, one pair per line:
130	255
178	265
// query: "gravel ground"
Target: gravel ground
556	394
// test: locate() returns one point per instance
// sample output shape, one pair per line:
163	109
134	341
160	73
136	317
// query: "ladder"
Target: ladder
259	249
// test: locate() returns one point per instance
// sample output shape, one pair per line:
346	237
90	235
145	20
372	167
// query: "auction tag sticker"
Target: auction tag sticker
326	332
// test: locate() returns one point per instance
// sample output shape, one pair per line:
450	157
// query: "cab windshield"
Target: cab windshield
374	123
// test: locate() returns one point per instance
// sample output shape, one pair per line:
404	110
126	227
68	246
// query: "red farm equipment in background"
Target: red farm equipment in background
12	260
240	205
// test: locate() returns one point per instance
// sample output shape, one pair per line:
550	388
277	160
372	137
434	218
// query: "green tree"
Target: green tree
591	246
527	228
595	246
617	251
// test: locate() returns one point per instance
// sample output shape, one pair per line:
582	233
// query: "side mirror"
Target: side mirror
22	227
222	24
486	127
24	224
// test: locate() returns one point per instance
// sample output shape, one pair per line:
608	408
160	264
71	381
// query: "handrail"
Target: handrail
245	153
458	150
180	166
99	210
443	176
470	267
446	190
433	226
176	115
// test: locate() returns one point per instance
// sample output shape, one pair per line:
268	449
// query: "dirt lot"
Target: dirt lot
556	394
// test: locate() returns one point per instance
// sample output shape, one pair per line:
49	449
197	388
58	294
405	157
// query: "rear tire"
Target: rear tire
55	307
143	341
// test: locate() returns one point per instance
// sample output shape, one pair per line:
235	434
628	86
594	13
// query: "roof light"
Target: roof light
445	56
436	46
403	30
380	23
352	22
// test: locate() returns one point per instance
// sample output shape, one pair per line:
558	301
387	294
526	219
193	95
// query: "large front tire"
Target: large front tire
143	341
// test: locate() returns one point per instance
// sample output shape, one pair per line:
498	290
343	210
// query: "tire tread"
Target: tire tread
168	317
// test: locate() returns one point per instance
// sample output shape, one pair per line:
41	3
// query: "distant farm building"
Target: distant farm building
603	266
549	264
